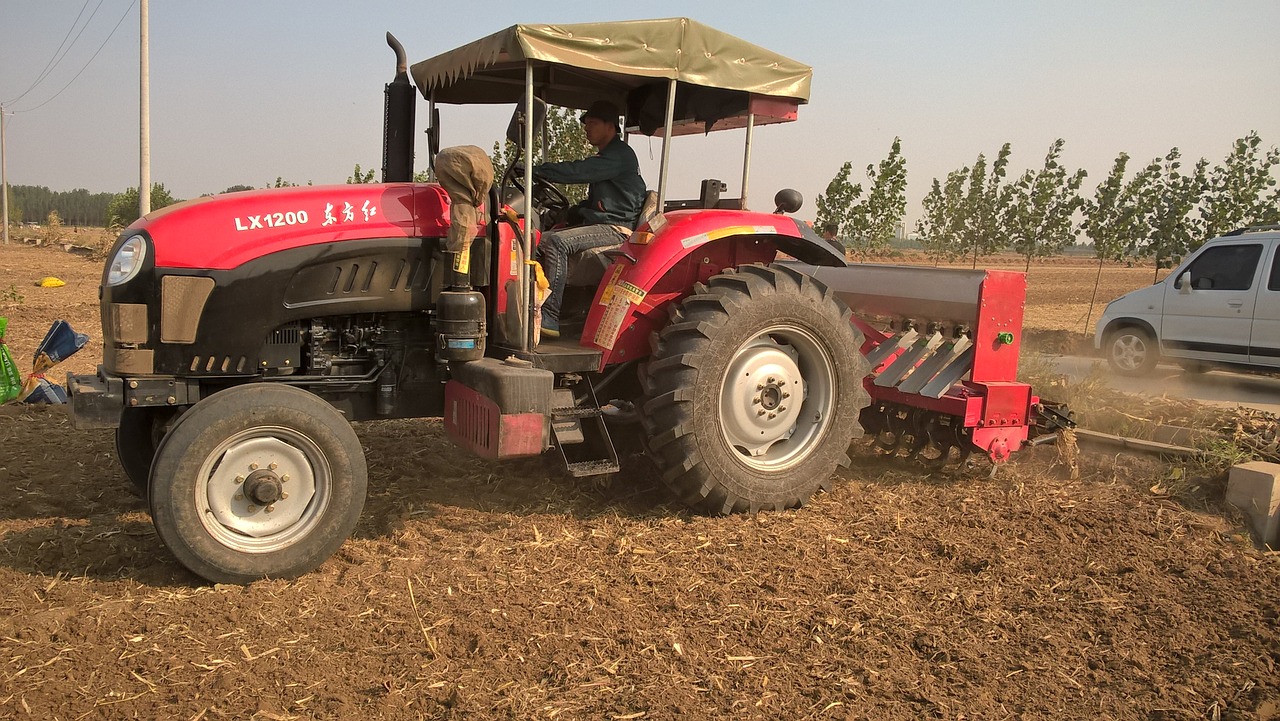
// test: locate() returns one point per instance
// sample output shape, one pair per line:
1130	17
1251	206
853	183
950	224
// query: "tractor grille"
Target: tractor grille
214	364
286	335
474	424
471	420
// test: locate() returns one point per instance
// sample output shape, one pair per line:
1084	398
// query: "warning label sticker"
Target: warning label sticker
607	295
634	293
611	323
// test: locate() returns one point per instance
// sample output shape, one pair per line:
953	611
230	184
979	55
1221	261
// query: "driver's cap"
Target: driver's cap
602	110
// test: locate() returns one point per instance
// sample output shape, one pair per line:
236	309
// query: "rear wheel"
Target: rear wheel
1131	351
755	388
258	481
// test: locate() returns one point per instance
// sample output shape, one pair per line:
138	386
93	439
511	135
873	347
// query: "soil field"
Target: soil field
482	590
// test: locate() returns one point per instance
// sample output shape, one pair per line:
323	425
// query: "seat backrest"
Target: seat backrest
649	208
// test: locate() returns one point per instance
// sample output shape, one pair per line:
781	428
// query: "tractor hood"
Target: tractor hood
225	231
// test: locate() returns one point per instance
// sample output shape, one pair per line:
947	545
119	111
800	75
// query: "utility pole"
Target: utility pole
144	113
4	180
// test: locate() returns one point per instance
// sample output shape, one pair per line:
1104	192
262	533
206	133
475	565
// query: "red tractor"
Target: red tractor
244	332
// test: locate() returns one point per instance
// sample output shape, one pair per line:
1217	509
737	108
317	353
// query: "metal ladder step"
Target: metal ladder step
570	412
577	424
582	469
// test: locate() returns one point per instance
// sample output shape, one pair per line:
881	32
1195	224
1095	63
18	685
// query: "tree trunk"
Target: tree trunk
1096	282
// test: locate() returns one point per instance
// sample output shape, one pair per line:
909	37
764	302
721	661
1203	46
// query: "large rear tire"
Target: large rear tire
257	481
755	389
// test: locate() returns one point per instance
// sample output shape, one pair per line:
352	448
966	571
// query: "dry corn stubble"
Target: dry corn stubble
482	590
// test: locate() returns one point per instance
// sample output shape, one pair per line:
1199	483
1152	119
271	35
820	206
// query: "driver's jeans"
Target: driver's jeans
553	252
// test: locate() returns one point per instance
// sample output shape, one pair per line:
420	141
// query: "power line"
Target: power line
86	65
55	59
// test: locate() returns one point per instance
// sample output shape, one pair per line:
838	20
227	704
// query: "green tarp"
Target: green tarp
577	64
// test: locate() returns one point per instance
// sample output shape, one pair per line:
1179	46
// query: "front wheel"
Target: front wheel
257	481
755	388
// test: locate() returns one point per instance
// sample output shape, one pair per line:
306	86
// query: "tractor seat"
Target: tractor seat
587	268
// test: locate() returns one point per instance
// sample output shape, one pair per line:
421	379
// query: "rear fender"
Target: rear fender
685	247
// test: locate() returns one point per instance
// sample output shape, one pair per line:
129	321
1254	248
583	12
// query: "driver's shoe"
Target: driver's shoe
550	326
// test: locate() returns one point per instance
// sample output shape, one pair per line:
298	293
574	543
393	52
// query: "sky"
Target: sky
245	92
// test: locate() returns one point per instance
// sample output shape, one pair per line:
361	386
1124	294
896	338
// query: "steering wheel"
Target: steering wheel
552	205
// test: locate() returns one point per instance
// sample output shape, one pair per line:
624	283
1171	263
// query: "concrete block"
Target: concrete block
1254	488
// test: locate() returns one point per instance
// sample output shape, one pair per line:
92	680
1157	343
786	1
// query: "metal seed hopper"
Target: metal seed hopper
943	348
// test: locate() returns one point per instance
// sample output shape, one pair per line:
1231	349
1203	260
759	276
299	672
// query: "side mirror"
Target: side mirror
433	132
787	201
1183	284
515	128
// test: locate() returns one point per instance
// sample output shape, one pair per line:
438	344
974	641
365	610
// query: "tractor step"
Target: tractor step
577	423
583	469
562	355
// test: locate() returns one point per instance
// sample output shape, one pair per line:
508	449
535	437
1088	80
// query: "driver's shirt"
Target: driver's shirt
616	189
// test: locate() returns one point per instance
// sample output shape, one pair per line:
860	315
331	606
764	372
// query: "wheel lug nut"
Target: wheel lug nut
270	509
760	412
781	408
253	466
239	479
284	496
239	496
773	415
755	401
785	395
252	509
272	466
759	386
284	478
769	380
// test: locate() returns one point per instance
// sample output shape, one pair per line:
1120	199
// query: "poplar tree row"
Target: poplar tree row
1162	210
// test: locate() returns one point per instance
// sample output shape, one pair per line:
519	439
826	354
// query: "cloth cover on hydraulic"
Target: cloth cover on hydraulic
466	173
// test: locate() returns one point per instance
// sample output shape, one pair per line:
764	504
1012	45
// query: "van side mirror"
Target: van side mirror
1183	283
515	128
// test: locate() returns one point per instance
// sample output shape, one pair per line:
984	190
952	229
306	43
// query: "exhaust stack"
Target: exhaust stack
397	121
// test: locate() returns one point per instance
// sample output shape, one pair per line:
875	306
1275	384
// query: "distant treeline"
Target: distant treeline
33	203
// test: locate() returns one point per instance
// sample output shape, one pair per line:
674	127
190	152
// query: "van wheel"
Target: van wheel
257	481
1131	351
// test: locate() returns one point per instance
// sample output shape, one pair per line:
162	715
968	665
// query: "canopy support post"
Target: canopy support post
431	122
666	144
526	338
746	158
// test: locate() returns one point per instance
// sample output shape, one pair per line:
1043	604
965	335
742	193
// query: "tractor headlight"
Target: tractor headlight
127	261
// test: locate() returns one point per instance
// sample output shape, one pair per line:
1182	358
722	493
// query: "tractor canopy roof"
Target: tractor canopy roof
720	79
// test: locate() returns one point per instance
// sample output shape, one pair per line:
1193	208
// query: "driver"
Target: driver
606	217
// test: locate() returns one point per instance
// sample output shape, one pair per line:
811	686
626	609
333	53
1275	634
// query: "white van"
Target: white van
1221	307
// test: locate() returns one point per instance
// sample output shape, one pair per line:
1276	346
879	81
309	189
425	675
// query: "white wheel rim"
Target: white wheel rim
1129	351
288	463
775	397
